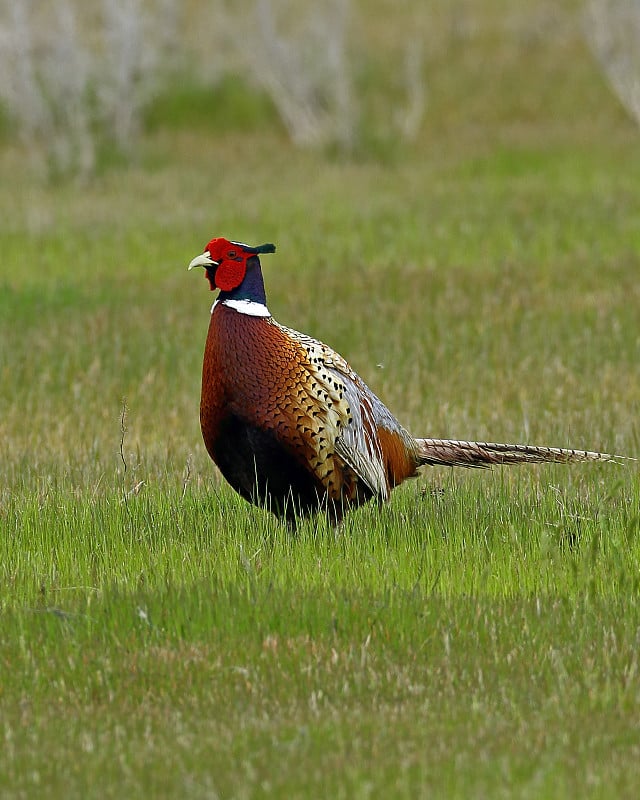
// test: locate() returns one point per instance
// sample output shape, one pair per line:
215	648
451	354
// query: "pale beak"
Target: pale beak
203	260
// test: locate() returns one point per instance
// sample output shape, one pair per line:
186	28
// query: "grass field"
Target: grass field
477	637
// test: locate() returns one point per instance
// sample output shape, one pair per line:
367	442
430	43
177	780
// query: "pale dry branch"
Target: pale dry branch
613	33
70	78
302	62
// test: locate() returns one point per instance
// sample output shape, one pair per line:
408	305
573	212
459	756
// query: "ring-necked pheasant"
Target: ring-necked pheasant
289	423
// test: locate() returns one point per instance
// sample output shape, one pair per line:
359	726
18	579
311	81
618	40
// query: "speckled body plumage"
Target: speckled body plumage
298	429
288	422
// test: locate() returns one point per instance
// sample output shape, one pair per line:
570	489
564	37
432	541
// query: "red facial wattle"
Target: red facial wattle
231	273
232	264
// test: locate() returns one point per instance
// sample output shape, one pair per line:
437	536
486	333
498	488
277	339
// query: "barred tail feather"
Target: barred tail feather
457	453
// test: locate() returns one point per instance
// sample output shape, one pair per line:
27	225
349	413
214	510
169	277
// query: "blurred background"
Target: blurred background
82	84
452	186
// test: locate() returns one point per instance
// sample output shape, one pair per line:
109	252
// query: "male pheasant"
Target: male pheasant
288	422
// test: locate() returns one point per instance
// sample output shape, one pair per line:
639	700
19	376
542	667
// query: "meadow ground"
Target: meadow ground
476	637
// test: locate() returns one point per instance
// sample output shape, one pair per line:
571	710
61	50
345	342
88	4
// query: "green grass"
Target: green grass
476	640
475	637
229	106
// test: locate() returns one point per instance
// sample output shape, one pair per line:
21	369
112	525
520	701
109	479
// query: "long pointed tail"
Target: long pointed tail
457	453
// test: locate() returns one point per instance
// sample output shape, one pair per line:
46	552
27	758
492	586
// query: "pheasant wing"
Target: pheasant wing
355	415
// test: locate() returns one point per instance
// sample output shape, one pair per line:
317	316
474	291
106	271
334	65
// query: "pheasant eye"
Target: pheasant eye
231	254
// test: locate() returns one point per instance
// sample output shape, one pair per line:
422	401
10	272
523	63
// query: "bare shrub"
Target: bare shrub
136	57
76	75
72	75
301	54
613	33
298	54
44	80
410	117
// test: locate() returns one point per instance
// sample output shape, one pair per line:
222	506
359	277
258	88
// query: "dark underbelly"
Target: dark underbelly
264	472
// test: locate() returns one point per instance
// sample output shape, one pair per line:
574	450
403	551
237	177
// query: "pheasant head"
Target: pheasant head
225	262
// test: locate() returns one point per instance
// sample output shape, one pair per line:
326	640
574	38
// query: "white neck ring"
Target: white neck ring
248	307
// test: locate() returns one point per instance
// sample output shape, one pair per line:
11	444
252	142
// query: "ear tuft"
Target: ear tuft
260	250
266	248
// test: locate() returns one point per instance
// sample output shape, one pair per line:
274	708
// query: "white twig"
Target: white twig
613	32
